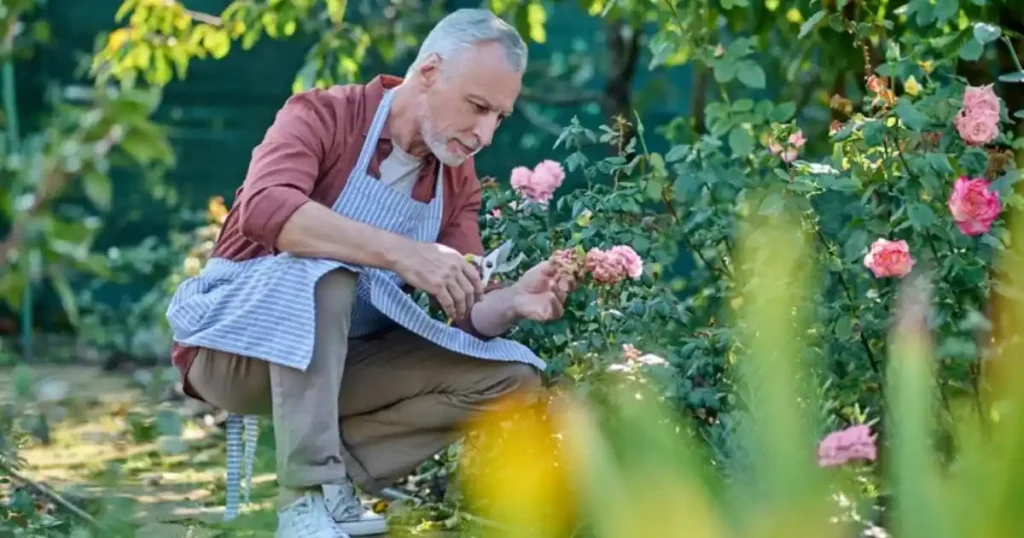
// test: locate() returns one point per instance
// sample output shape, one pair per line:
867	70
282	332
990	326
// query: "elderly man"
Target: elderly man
356	194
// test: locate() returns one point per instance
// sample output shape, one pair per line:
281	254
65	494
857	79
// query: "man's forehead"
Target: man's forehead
485	74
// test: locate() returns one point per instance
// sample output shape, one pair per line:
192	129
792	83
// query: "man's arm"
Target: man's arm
274	205
494	315
276	211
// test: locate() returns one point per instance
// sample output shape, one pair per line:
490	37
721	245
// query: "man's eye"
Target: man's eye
479	108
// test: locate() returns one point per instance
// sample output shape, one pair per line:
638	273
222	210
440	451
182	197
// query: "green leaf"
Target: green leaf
741	142
66	295
751	74
921	216
810	23
946	9
305	78
783	112
98	189
725	70
743	105
1019	114
874	133
911	116
676	153
971	50
939	162
986	33
974	162
336	10
1004	184
1013	77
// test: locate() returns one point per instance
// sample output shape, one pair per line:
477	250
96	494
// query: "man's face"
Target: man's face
465	101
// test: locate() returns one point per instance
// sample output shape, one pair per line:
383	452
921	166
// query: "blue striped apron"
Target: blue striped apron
264	307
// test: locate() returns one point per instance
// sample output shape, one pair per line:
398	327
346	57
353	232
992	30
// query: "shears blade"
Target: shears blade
496	262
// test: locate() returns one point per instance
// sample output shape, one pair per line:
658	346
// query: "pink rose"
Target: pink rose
495	213
973	205
790	155
797	139
977	128
567	262
978	119
853	443
775	148
552	170
889	258
602	267
614	265
981	99
630	260
540	184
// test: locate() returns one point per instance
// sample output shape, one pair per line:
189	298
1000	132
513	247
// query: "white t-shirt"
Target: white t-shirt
400	170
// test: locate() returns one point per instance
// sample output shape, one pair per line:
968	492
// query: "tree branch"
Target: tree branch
52	495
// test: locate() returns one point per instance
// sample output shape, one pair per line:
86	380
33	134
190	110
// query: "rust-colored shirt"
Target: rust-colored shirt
307	154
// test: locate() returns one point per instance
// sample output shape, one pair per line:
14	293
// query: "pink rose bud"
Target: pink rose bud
790	155
974	206
797	139
889	258
843	446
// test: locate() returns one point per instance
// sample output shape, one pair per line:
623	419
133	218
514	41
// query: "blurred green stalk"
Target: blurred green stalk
14	145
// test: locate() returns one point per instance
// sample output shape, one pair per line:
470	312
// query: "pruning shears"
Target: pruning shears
494	263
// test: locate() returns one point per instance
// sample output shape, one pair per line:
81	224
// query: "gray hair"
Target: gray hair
465	28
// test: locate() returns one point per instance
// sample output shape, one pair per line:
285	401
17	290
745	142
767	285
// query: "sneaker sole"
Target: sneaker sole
364	528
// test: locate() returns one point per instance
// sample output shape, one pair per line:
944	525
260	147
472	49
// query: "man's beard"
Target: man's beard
437	144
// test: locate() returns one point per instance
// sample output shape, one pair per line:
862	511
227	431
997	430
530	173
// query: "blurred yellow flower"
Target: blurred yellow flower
216	209
911	86
193	266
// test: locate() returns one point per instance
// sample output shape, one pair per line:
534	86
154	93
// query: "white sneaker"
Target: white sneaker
349	514
307	518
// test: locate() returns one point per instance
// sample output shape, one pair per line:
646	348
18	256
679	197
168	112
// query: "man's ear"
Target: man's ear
430	69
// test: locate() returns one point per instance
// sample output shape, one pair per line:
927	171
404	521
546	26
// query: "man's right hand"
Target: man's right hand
443	273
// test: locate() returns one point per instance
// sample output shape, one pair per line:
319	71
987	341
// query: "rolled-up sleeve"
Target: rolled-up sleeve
285	166
462	232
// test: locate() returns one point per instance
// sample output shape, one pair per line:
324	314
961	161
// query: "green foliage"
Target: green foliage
56	179
873	156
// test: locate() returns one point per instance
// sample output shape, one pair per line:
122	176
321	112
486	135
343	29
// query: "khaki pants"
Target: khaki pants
371	408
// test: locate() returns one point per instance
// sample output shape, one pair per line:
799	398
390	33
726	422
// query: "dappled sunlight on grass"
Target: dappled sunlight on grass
99	455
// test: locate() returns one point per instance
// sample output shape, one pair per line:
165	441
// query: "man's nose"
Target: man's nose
485	128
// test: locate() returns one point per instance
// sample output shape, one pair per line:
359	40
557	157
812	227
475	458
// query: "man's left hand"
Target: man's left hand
540	293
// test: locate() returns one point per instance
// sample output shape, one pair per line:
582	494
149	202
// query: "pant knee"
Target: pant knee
511	378
524	377
336	293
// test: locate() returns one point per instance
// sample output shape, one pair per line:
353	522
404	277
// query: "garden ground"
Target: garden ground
106	455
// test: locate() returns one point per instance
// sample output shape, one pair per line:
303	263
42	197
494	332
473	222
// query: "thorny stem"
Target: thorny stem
872	359
1013	53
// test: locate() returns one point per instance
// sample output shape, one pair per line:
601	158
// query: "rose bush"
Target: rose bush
916	173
